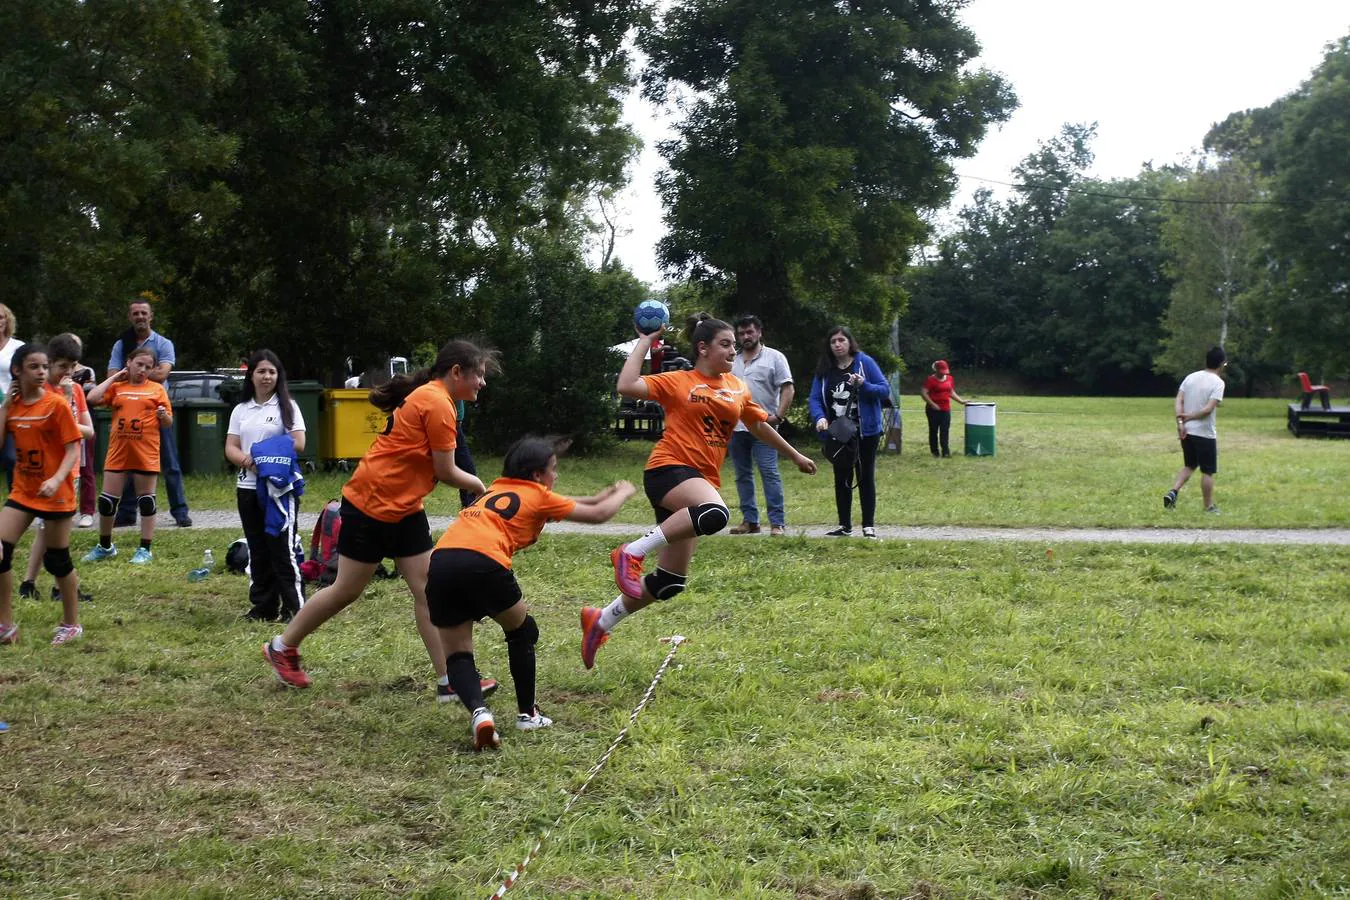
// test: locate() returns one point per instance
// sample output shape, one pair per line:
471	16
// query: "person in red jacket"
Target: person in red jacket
938	392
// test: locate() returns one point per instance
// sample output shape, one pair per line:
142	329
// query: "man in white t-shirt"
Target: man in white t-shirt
1196	404
765	371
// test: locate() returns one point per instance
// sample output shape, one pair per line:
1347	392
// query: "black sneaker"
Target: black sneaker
183	521
28	589
1170	500
259	615
841	531
84	598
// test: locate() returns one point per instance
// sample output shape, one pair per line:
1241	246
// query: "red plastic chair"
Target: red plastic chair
1321	390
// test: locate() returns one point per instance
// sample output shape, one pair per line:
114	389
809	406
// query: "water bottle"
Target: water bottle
208	563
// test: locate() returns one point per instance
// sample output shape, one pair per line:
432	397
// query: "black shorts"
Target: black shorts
464	585
131	472
1200	453
369	540
42	514
661	481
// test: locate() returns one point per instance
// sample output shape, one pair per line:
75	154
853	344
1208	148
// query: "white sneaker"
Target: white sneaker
67	633
86	522
528	722
484	730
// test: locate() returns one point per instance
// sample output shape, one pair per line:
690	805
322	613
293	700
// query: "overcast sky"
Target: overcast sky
1154	75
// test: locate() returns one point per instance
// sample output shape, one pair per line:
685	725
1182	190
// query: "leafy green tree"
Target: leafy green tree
1307	229
105	154
814	136
1211	247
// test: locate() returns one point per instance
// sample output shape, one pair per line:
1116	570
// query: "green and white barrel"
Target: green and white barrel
979	429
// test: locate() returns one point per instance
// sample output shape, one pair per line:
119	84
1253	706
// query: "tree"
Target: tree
815	134
1210	244
1306	297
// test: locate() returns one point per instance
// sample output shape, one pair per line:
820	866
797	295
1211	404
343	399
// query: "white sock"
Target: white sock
444	680
652	540
278	646
613	614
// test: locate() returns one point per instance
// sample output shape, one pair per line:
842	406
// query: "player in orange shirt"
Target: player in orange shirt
63	355
47	442
382	512
684	469
140	406
470	575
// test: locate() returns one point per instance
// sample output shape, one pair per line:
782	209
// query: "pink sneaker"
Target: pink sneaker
627	572
286	665
66	633
9	634
593	637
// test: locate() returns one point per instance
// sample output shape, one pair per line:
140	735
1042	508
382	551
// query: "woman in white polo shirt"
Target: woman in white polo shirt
276	588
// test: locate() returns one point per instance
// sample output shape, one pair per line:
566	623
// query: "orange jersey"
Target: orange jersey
507	519
397	471
133	444
41	432
701	412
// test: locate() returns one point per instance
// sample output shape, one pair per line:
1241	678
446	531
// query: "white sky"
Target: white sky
1154	75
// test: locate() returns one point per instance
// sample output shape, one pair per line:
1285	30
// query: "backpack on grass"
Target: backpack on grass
321	566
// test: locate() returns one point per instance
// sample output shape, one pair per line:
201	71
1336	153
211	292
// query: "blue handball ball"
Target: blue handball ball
650	316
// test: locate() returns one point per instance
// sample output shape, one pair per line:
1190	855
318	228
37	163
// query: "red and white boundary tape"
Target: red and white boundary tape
519	871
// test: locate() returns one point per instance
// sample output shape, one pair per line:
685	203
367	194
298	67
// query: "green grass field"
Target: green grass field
1061	461
848	720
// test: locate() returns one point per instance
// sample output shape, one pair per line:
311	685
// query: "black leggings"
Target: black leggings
865	472
274	581
939	427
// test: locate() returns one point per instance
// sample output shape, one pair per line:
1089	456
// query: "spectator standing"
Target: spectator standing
140	334
938	392
8	344
765	371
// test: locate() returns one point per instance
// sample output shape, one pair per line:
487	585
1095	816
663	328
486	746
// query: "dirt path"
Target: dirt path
229	520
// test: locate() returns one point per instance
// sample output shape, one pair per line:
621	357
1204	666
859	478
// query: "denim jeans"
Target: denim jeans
170	473
747	451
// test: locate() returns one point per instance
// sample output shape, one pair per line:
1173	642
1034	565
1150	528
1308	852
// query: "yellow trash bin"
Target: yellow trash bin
350	424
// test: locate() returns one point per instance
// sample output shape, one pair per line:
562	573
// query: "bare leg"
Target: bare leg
414	572
13	523
352	578
69	583
35	554
113	483
145	485
1207	489
1183	476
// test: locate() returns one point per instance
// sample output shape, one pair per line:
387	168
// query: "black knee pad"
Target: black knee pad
527	634
107	505
709	518
663	585
7	562
146	504
58	562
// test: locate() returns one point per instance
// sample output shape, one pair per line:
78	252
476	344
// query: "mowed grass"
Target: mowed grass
1060	461
847	720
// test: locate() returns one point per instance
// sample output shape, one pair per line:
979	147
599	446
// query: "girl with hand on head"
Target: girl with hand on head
683	472
140	407
382	511
849	383
266	410
47	448
471	577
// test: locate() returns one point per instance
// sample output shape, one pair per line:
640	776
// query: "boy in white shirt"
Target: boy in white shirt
1196	404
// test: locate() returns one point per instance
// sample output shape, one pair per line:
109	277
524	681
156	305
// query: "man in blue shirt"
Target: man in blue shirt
140	334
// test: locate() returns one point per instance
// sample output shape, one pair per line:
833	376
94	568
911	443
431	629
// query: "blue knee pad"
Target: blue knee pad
146	504
58	562
7	562
107	505
664	585
709	518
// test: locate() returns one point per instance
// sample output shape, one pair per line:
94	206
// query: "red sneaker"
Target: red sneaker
446	694
286	665
627	572
593	637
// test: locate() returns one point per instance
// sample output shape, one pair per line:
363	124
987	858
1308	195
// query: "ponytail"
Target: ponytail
701	328
466	355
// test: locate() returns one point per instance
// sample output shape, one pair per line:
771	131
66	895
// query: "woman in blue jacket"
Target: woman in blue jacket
849	383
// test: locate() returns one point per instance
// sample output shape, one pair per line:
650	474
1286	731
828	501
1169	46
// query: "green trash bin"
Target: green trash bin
102	417
307	395
201	424
979	429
